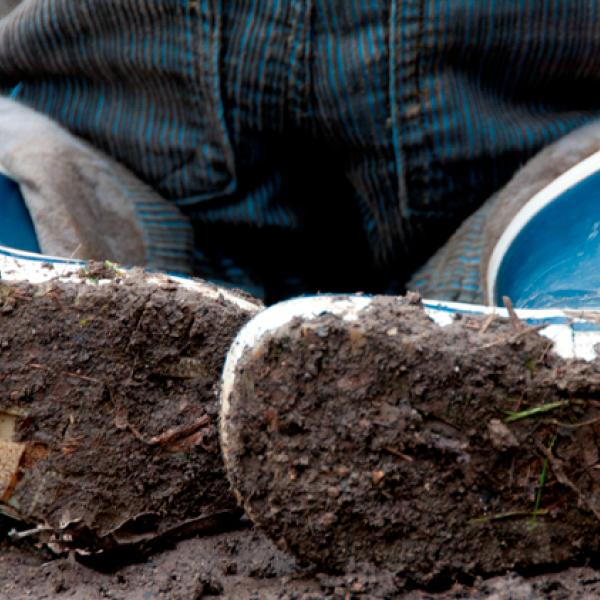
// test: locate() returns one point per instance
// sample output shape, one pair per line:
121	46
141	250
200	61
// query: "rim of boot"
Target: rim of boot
515	244
20	265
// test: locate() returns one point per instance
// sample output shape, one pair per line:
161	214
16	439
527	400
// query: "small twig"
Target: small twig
514	318
75	251
542	482
76	376
68	374
515	338
177	433
574	425
13	534
525	332
547	349
487	323
38	366
83	377
399	454
168	438
536	410
557	468
511	473
518	403
122	423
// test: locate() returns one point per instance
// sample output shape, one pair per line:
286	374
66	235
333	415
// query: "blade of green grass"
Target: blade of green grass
512	416
542	482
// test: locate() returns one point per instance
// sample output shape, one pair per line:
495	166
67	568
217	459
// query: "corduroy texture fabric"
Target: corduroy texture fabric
454	272
315	144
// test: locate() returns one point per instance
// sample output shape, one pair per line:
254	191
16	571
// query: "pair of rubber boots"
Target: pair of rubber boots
425	437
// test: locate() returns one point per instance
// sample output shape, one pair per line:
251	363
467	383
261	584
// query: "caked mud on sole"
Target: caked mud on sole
359	429
108	405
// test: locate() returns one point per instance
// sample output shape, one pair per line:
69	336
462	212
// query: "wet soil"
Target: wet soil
415	448
244	565
110	394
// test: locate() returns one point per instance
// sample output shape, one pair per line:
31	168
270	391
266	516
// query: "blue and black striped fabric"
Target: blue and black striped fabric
315	144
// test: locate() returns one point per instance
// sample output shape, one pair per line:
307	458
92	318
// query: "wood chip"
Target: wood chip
377	477
10	459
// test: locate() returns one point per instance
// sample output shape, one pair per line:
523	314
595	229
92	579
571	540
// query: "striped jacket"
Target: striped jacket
314	144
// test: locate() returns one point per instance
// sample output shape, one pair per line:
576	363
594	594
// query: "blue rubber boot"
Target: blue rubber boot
535	241
16	227
549	254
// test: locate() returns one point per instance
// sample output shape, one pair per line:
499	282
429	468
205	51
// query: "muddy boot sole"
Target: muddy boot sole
108	404
360	430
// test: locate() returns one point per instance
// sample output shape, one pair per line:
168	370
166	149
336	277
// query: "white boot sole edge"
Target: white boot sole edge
17	265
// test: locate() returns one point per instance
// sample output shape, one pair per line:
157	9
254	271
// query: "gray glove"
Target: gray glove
7	5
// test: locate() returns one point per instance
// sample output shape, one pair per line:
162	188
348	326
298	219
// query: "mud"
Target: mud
109	394
244	565
394	442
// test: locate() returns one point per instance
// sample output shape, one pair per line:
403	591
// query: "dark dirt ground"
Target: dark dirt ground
243	565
